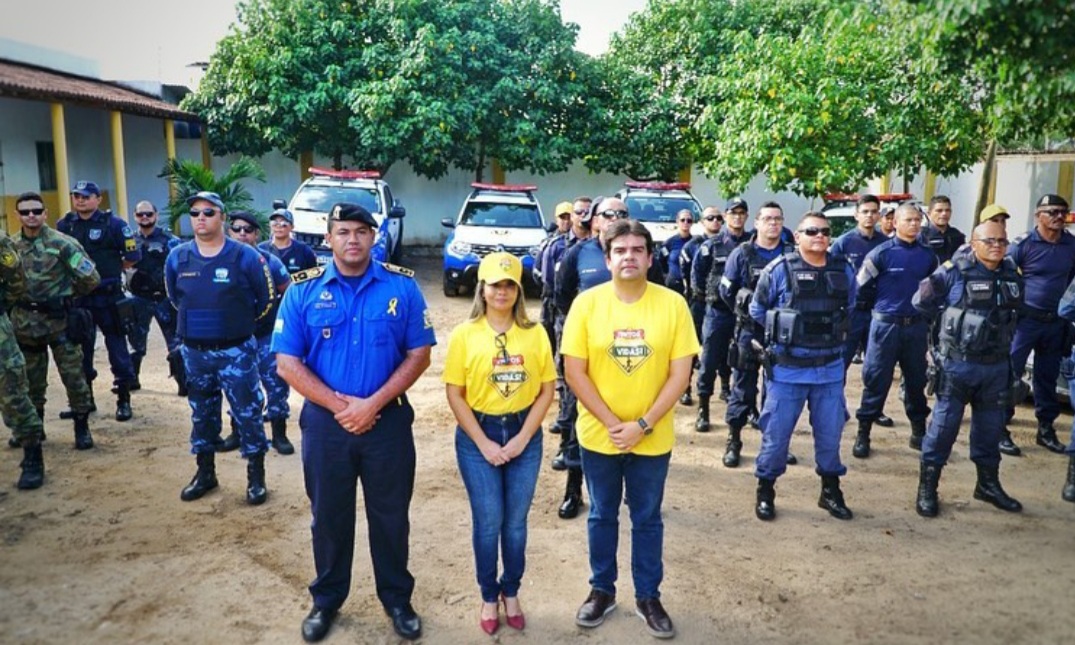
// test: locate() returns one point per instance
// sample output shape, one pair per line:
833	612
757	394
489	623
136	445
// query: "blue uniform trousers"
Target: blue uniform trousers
985	387
276	388
1069	376
743	398
783	404
105	317
858	334
145	311
568	413
235	371
1046	340
334	461
716	334
889	344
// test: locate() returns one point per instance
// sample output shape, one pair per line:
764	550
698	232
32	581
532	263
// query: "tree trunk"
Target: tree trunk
337	160
986	179
479	171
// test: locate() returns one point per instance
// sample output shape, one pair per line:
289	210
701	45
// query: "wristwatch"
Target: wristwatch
646	429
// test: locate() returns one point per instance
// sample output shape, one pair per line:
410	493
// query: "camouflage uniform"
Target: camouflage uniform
57	268
18	411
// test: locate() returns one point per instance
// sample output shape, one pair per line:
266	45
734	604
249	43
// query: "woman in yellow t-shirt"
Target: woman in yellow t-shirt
499	378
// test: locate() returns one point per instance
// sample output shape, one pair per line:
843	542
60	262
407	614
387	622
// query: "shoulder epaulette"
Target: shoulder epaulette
307	274
395	268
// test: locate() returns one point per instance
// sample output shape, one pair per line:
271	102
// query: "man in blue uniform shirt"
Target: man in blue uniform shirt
668	255
244	228
1046	257
802	301
352	337
853	246
977	298
711	220
146	284
110	244
295	255
898	333
220	288
718	321
937	233
737	285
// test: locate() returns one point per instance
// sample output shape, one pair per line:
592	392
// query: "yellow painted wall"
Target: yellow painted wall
52	202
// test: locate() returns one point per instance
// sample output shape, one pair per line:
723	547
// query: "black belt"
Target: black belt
519	416
863	306
214	345
1039	315
981	359
804	361
396	402
902	321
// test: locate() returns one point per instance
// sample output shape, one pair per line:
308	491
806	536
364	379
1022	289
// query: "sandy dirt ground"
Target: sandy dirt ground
107	553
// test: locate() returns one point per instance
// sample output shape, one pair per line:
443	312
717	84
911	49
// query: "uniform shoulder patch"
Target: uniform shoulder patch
306	274
947	264
395	268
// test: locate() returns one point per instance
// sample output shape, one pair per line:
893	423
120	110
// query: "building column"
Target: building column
119	168
684	174
59	149
886	184
207	158
169	151
498	172
1065	180
931	186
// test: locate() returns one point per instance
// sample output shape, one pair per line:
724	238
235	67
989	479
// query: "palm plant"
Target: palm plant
191	177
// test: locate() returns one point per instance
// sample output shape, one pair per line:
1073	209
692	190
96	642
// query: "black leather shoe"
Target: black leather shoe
1008	447
1047	438
569	509
594	609
317	623
12	442
658	624
686	399
753	419
231	442
792	459
861	449
884	421
724	394
555	429
558	462
406	622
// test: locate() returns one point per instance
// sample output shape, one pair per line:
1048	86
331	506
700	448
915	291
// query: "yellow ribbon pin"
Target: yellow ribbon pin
392	306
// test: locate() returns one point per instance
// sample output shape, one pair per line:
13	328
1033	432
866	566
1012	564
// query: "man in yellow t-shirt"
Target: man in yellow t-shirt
628	347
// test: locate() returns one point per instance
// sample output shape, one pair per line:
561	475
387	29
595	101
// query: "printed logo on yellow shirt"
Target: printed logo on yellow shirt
508	375
629	349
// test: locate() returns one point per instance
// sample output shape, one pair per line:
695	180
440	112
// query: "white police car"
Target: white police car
494	217
655	204
840	208
316	196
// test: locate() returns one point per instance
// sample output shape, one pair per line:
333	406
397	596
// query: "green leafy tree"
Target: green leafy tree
191	177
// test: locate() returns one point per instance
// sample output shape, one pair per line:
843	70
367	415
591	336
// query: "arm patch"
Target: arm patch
395	268
308	274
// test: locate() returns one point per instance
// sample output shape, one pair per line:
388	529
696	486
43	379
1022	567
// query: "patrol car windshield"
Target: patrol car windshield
502	215
660	208
322	198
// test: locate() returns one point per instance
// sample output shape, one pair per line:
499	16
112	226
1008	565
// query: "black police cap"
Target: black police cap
347	212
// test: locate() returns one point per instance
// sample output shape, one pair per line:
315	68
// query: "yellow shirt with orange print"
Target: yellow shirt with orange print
498	381
629	348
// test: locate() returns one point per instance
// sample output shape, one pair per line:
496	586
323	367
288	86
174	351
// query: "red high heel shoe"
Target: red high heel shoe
489	625
518	621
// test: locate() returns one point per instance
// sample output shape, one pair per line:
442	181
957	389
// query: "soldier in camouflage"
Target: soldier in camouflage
57	269
18	411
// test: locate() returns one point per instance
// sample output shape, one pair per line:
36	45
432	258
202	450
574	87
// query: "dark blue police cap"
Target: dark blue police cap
247	217
207	196
86	188
347	212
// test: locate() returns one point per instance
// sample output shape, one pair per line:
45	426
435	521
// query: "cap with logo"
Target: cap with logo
991	211
284	213
734	203
563	208
347	212
1052	200
207	196
499	266
86	188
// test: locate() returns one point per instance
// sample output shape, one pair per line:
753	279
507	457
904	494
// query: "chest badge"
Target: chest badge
95	234
326	333
392	307
325	295
221	275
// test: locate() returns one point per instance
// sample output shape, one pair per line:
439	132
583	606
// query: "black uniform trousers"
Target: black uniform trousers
334	462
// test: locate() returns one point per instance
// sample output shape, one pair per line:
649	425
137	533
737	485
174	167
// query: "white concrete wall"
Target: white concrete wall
22	125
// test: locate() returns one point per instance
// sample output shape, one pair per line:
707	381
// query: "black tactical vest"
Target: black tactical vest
815	317
982	324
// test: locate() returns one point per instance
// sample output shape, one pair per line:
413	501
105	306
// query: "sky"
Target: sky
158	39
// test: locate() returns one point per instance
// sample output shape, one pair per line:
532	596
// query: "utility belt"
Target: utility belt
155	296
110	288
902	321
215	345
1039	315
54	307
803	361
863	306
981	359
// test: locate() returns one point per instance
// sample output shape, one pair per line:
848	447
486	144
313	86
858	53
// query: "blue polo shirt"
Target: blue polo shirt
853	246
895	268
1047	267
353	333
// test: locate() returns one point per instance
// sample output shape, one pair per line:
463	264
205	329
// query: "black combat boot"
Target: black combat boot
178	371
918	430
83	438
832	498
572	495
929	476
136	363
988	489
1007	446
1069	485
725	391
279	437
765	508
701	424
255	480
687	399
33	466
1047	437
732	448
861	449
123	402
204	480
70	414
231	442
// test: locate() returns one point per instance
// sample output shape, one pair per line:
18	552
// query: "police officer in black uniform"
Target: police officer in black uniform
110	243
978	299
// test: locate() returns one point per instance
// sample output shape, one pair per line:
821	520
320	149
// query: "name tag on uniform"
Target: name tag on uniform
979	286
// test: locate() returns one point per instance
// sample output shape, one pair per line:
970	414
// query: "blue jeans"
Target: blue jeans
500	498
643	477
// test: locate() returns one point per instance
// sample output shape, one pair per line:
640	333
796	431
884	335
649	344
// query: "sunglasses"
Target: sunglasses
613	214
25	212
993	241
207	212
1053	212
279	222
814	231
688	221
501	342
581	211
710	218
243	229
145	214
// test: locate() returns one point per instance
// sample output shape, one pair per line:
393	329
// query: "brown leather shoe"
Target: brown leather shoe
658	624
593	611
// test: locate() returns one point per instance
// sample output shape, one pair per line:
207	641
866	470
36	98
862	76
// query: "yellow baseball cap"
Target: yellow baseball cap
564	208
991	211
501	266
